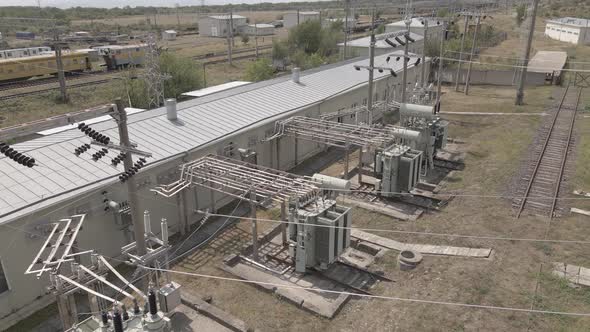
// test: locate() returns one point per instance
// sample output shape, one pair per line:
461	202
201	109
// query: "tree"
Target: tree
280	50
245	38
183	76
259	70
520	14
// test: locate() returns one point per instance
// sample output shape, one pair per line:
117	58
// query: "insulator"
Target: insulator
117	322
21	159
152	302
105	318
12	154
87	130
81	124
105	150
94	135
417	62
31	162
26	161
399	41
8	151
122	178
142	159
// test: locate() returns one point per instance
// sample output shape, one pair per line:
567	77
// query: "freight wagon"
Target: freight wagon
24	68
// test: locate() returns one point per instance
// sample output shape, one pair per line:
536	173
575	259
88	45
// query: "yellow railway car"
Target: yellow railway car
25	68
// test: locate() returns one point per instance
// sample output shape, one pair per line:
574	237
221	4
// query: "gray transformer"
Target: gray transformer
318	234
399	167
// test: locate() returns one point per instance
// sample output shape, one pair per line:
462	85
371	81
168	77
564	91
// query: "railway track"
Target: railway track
539	187
224	54
74	85
47	80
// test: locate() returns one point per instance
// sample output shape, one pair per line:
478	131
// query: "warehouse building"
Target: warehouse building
219	123
296	18
219	25
360	46
416	25
569	29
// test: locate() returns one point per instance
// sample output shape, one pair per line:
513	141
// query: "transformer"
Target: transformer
318	234
399	168
433	130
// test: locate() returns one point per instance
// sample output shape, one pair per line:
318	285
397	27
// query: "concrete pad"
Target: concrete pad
324	304
224	321
185	318
427	250
573	273
580	211
357	258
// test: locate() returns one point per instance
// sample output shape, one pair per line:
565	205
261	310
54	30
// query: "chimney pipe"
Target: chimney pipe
296	73
171	109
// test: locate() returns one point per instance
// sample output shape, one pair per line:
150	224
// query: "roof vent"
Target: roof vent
171	109
296	74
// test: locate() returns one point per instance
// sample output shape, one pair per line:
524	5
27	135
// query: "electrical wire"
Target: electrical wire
379	297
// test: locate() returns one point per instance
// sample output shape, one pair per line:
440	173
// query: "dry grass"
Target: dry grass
507	279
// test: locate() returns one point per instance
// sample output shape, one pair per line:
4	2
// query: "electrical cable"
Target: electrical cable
370	296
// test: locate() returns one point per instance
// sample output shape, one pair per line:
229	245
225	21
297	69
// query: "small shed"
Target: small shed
169	35
219	25
259	29
548	63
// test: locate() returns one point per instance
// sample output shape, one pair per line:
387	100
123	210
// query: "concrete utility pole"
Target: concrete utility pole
229	36
405	70
466	22
425	40
231	26
473	45
256	38
440	63
177	16
346	11
136	213
527	54
371	65
60	71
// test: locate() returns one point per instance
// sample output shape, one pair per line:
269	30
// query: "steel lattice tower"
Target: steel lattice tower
153	75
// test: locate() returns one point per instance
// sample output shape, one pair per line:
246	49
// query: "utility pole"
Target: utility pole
527	54
440	64
371	64
297	16
473	45
425	40
136	213
177	16
60	71
256	38
466	22
229	37
231	26
405	70
346	10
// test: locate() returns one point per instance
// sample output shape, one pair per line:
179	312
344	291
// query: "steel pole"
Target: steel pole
371	64
425	41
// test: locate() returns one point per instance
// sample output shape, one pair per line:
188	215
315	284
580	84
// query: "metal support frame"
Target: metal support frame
238	179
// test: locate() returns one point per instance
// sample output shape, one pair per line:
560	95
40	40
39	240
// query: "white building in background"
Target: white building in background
259	29
291	19
219	25
435	26
169	35
360	47
569	29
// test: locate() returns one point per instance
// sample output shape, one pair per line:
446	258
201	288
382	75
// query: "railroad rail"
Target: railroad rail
224	54
74	85
542	179
49	80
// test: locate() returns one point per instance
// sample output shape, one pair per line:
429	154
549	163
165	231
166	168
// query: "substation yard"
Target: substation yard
517	273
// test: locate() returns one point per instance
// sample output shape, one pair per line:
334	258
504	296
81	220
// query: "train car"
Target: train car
24	52
120	56
40	65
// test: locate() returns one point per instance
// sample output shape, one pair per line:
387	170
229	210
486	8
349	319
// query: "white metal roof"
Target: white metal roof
366	42
226	17
61	175
416	22
214	89
547	62
573	21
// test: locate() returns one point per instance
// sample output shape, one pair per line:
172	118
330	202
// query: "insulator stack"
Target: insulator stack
118	159
81	149
16	156
133	170
100	154
93	134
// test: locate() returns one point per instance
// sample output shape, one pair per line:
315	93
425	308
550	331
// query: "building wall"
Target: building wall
290	19
566	33
212	27
493	77
252	31
354	51
106	232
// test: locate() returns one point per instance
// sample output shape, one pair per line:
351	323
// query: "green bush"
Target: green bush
259	70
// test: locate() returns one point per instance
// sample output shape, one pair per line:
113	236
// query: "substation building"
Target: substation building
360	46
234	123
220	25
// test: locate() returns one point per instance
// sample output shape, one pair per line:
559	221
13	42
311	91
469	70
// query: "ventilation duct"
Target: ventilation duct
171	109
